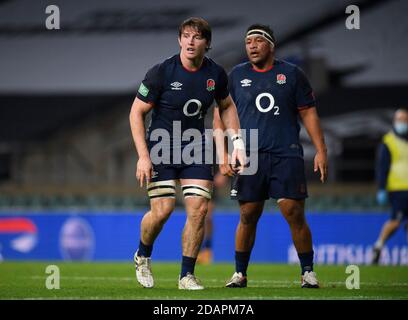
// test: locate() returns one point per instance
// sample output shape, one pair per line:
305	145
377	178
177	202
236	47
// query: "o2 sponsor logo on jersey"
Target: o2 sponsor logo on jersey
187	109
280	78
76	239
271	103
210	84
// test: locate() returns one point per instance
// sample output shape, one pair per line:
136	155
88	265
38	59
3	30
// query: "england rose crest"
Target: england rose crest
281	78
210	84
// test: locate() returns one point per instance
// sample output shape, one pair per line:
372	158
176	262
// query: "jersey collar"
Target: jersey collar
188	70
275	62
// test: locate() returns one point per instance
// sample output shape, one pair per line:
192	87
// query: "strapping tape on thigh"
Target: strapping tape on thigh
193	190
162	189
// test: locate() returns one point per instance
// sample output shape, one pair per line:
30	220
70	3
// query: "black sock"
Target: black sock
241	262
187	266
144	250
306	261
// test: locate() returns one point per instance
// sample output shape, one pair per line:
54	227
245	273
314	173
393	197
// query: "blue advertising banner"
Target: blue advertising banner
339	238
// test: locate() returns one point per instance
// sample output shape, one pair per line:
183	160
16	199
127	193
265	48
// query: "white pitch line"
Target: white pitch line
158	279
282	282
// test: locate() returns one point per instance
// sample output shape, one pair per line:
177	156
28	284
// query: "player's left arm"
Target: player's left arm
311	122
229	117
221	145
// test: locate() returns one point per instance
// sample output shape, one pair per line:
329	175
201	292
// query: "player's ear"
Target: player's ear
179	41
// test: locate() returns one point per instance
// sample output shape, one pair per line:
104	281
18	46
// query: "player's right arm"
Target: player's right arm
137	119
147	96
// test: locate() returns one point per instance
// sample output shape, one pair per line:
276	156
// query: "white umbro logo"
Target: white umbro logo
246	83
234	193
176	85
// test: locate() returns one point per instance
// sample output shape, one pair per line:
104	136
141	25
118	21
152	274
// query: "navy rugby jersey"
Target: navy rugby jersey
181	95
270	101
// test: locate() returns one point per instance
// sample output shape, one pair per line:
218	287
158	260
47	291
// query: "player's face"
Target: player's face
192	43
258	49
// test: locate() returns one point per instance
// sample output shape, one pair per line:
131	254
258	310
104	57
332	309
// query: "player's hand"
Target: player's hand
320	163
144	170
226	170
382	197
225	167
238	160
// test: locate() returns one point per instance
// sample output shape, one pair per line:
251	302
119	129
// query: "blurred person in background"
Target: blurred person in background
392	177
179	91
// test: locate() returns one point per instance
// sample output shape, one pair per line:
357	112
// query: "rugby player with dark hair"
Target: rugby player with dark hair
179	92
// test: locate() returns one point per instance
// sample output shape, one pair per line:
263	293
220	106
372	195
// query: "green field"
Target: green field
26	280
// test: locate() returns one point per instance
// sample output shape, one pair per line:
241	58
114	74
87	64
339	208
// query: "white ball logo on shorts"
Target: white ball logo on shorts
271	102
185	108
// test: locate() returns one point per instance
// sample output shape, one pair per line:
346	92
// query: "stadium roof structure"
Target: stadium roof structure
104	46
51	78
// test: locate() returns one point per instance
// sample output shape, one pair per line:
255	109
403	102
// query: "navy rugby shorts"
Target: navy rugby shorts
276	178
164	172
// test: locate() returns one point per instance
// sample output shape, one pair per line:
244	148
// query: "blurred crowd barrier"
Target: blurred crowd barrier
327	197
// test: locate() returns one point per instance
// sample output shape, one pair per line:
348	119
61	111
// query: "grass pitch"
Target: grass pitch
26	280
